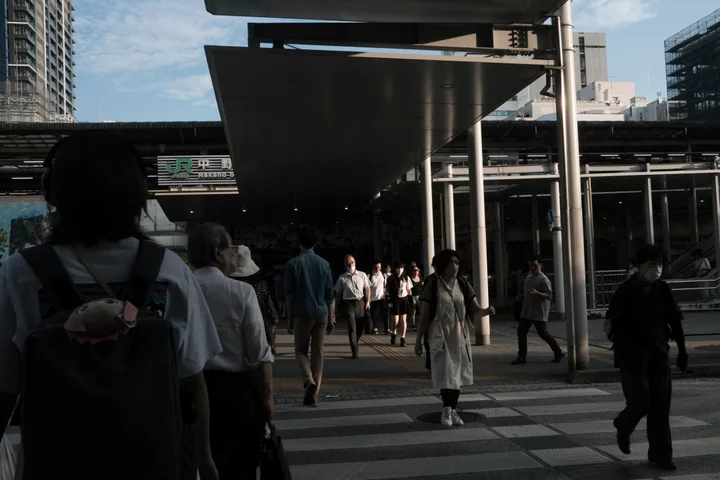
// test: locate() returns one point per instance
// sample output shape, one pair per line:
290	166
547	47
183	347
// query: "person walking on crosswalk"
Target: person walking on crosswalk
448	303
644	316
352	291
537	294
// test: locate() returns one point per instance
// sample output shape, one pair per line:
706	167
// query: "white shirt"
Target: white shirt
377	286
405	287
176	295
702	266
238	320
352	287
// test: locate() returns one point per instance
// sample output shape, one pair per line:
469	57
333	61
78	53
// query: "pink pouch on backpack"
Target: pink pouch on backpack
101	320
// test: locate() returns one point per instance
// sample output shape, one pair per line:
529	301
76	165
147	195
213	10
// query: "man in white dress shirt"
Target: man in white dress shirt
353	292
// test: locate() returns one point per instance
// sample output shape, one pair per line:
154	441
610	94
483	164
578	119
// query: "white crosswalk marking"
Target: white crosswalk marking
521	432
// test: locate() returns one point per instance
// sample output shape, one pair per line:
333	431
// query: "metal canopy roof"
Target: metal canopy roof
320	127
421	11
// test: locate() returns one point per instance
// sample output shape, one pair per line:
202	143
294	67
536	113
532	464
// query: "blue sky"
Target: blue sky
143	60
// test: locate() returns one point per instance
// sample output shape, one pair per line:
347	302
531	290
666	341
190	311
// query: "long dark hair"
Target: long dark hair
96	182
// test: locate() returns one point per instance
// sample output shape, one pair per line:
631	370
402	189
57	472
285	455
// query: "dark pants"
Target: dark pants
353	312
236	424
541	327
450	398
379	314
647	388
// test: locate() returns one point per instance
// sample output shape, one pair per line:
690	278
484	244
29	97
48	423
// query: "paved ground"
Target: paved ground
518	432
383	369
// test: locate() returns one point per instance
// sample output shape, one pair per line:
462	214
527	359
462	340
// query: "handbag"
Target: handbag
273	464
8	458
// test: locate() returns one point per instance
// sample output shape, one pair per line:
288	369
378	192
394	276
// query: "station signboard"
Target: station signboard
195	171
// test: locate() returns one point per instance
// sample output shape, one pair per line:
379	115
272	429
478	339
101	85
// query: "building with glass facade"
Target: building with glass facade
692	59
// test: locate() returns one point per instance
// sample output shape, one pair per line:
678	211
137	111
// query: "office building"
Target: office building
36	66
692	60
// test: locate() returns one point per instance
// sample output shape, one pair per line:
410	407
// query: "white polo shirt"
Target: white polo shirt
176	295
239	322
377	286
352	287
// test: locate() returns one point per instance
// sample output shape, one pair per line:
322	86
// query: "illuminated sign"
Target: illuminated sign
206	170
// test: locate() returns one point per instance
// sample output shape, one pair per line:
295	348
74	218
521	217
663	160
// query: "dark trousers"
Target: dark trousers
353	312
236	424
450	398
541	327
647	388
379	314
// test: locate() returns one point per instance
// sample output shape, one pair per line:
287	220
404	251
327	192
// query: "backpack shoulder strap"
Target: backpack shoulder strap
53	276
145	271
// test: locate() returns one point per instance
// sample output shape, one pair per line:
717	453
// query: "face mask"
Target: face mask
653	274
399	271
351	269
454	270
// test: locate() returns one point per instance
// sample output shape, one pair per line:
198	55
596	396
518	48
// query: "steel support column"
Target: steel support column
559	287
590	243
478	230
693	207
649	217
449	211
574	194
428	225
715	184
500	259
535	225
665	220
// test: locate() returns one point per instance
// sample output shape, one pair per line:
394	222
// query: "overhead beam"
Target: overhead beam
471	38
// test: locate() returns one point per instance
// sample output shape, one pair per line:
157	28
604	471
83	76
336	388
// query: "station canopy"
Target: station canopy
326	128
419	11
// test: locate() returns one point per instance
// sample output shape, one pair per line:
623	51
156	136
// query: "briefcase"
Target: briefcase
273	464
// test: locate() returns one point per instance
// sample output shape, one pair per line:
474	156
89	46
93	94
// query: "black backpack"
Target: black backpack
108	410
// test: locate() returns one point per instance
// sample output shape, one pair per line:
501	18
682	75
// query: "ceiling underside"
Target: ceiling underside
309	128
420	11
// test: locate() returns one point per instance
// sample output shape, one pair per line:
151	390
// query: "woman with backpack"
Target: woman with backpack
100	300
448	304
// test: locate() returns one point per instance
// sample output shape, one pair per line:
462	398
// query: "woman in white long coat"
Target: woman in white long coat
447	305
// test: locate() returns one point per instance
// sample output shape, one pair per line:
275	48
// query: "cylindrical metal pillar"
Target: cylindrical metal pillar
665	220
693	207
564	212
648	211
479	232
559	287
428	225
574	197
590	243
500	260
715	185
535	225
378	237
449	211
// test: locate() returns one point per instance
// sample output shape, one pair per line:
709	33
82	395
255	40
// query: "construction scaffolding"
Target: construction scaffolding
692	59
20	102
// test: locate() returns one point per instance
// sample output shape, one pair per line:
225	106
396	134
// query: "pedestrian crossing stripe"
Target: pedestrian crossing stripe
516	443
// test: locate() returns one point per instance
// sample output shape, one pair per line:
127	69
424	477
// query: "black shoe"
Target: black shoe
519	361
354	356
623	439
310	399
393	339
375	332
402	342
558	357
668	465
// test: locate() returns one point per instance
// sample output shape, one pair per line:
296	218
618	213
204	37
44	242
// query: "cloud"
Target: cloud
193	88
126	36
608	14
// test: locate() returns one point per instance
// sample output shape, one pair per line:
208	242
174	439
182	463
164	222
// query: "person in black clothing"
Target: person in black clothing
644	316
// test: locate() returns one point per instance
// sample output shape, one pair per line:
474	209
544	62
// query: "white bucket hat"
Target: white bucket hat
245	265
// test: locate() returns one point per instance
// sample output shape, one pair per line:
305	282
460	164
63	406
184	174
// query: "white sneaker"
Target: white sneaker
446	418
456	420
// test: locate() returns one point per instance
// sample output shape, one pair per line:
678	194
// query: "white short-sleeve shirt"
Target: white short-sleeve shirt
176	295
